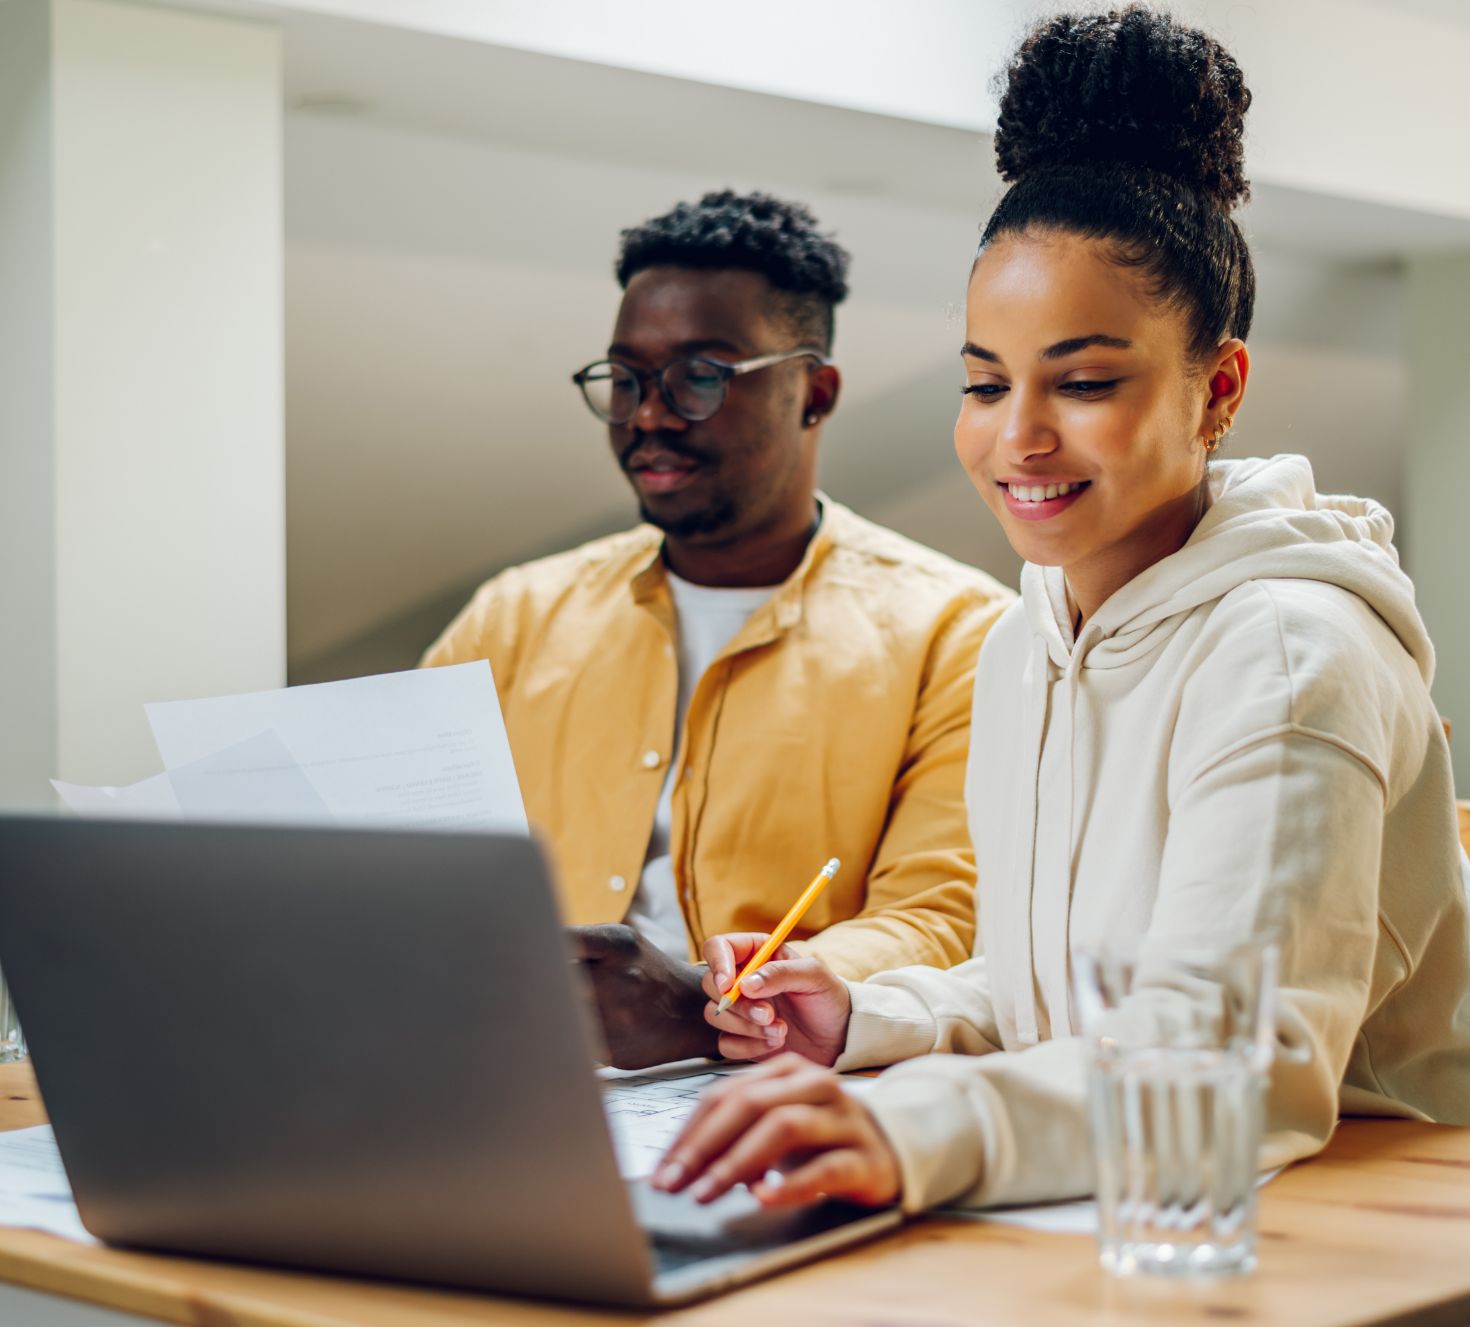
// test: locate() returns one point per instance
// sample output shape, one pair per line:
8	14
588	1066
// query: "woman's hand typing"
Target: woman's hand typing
791	1132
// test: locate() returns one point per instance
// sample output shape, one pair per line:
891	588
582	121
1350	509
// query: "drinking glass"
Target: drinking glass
1181	1048
12	1039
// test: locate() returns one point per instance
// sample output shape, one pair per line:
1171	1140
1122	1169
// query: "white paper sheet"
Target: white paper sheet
33	1187
152	799
258	780
426	749
1077	1218
645	1111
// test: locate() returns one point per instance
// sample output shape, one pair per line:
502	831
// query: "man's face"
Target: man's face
741	470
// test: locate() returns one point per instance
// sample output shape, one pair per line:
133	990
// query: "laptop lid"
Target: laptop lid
352	1050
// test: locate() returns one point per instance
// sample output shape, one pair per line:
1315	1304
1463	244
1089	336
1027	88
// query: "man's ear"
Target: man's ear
824	384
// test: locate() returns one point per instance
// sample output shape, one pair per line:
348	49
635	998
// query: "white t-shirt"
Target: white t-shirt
707	619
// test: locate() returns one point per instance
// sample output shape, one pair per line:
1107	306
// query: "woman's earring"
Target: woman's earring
1221	429
811	417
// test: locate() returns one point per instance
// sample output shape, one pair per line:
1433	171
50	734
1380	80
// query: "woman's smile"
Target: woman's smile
1041	499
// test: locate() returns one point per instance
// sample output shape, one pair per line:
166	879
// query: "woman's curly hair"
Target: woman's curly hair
1133	88
1128	127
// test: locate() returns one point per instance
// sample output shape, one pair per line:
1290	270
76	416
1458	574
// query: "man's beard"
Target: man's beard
719	514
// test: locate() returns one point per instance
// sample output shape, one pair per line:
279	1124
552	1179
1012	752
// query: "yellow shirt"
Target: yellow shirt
835	724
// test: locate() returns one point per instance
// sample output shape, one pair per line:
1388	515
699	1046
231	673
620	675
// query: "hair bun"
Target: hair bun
1129	88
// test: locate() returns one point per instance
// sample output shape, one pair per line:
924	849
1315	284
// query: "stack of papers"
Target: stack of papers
424	749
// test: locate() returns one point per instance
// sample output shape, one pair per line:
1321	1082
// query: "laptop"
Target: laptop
361	1051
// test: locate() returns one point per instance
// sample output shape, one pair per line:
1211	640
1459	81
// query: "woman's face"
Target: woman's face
1082	417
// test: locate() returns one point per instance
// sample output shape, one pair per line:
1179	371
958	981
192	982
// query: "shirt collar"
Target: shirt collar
650	581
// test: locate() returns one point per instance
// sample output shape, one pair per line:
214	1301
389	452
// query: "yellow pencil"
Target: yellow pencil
778	936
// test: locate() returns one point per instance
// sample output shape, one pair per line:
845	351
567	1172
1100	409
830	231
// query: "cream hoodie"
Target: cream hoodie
1240	742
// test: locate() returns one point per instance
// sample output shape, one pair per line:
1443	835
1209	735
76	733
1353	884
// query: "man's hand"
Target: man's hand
791	1004
651	1005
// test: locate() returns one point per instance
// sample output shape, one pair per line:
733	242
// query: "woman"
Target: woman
1207	719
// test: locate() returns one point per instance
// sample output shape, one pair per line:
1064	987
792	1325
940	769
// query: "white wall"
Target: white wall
158	418
27	493
1352	98
1439	480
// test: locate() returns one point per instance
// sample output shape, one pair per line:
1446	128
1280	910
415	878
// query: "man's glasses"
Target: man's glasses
693	387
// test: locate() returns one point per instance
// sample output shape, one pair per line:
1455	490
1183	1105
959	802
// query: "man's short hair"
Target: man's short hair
806	269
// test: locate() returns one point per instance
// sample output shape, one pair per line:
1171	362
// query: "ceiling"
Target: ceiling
545	104
1445	11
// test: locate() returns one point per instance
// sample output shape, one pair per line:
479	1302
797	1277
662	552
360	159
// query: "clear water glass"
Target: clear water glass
1181	1046
12	1039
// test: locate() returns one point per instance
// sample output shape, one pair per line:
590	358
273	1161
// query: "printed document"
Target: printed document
256	780
424	749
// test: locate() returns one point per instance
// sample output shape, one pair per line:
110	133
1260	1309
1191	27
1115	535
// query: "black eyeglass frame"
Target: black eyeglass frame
725	371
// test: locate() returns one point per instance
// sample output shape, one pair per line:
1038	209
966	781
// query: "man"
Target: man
705	708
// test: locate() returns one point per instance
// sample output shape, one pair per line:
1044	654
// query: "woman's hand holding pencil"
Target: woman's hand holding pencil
793	1003
811	1006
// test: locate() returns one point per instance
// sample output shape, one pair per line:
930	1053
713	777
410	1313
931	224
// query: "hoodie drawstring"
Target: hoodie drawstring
1019	902
1058	975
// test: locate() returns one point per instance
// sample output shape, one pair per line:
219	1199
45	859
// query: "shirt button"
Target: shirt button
652	760
617	884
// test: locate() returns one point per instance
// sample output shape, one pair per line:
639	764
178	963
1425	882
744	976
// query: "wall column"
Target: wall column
142	497
1437	481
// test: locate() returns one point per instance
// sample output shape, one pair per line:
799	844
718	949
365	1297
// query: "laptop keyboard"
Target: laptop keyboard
682	1232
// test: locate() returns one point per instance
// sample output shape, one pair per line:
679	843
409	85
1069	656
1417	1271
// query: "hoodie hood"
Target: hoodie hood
1266	521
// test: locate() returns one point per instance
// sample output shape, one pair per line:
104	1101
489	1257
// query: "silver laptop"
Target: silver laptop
355	1050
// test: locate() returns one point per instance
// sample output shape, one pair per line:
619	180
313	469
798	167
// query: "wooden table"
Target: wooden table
1375	1230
